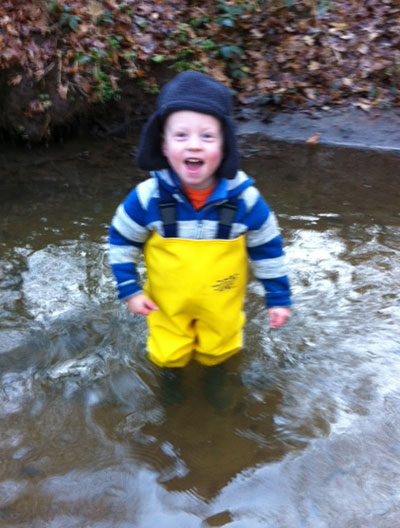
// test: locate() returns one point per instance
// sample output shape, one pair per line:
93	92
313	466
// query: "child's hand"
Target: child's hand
278	316
140	304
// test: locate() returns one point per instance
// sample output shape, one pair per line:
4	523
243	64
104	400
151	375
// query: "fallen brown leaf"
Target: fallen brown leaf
15	80
313	140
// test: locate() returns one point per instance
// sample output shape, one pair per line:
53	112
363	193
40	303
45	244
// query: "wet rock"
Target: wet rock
219	519
29	471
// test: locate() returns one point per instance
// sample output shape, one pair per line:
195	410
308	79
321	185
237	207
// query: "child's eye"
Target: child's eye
208	137
180	135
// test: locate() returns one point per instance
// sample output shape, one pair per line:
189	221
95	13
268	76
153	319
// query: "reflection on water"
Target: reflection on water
310	433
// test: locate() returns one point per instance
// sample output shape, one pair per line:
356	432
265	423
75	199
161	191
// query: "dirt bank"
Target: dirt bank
69	65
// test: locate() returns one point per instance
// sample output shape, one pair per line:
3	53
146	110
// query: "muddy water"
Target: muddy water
310	435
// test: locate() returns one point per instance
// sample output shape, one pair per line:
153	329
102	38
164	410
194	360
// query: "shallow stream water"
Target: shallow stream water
310	436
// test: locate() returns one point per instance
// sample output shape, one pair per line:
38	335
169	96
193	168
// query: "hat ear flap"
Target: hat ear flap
149	154
230	163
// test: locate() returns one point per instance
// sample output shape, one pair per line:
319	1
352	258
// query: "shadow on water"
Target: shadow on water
307	434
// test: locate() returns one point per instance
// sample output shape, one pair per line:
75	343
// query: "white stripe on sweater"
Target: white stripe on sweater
127	227
269	268
147	190
237	180
267	232
123	254
250	197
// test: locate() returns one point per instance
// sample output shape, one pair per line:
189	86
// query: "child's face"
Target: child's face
193	146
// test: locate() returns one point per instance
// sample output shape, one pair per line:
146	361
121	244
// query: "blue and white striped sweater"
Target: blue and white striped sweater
138	216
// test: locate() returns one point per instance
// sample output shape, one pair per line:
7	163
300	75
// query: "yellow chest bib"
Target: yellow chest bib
199	286
194	271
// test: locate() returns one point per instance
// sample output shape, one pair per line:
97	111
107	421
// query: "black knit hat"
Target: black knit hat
189	91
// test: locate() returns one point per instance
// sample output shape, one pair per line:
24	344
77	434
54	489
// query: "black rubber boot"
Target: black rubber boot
218	387
171	386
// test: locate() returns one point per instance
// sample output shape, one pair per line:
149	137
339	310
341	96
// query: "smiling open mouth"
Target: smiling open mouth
194	162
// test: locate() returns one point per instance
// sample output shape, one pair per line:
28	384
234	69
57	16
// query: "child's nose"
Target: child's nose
194	142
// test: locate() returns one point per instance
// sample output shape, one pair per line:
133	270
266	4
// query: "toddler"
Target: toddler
198	220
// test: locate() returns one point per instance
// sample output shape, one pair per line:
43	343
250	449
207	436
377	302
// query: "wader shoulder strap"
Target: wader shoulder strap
167	209
226	215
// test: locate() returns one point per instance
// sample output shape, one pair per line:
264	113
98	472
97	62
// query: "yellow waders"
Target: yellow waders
199	287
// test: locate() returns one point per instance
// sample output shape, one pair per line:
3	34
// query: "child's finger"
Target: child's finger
150	306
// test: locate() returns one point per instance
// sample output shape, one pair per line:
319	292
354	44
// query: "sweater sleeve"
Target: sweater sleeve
265	250
127	235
